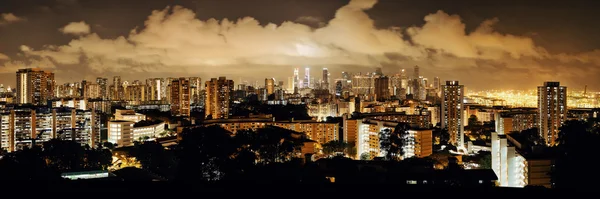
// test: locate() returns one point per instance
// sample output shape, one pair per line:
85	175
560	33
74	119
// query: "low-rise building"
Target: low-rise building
129	115
124	132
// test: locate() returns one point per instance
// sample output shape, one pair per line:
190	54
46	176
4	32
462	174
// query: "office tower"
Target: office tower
290	85
270	86
416	72
296	78
552	109
218	94
325	82
403	79
103	83
452	112
180	97
382	91
195	89
34	86
306	78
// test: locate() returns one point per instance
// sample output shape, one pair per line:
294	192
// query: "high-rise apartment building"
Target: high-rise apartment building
103	83
382	91
180	97
118	90
452	111
92	91
270	85
20	126
552	110
195	89
218	95
154	90
34	86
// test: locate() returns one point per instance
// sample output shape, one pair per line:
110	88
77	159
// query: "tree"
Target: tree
573	169
365	156
485	160
203	153
335	146
472	122
532	137
392	143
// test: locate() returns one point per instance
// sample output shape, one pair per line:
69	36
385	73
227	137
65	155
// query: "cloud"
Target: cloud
173	40
76	28
7	18
311	21
4	57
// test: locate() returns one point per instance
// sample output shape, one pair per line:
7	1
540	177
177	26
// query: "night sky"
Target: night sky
483	44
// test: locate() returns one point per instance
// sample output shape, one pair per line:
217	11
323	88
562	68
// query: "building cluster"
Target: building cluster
24	126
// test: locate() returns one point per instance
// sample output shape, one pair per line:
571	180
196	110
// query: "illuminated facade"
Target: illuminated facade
124	133
363	84
306	81
154	89
322	132
421	144
128	115
34	86
195	90
516	170
452	111
552	109
180	97
218	94
19	127
270	86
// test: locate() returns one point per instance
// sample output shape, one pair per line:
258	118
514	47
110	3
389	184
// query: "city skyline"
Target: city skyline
486	50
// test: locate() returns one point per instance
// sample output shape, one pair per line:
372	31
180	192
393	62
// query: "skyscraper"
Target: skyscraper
403	79
180	97
306	78
270	85
325	82
296	79
552	110
382	91
452	112
103	84
416	73
34	86
218	94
